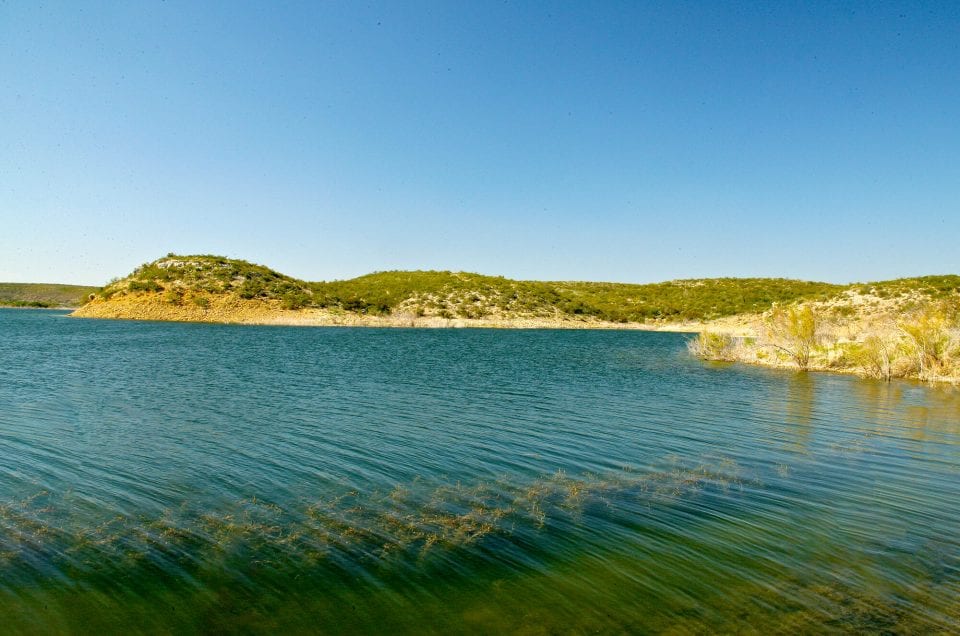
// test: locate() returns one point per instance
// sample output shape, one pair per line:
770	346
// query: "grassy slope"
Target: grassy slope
43	295
177	279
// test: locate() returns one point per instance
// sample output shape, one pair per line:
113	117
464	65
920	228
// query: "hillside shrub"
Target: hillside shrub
294	300
250	288
145	286
174	296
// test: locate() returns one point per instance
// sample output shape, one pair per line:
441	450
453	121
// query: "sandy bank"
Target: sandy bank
237	311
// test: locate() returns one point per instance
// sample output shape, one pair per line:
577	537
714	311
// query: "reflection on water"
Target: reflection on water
799	401
185	478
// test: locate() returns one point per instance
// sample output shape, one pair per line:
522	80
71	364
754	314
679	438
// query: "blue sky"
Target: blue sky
626	141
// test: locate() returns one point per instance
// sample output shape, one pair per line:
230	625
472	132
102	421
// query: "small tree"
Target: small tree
712	346
794	331
876	356
928	340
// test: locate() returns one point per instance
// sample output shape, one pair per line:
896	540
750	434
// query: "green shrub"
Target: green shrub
174	296
251	288
294	300
145	286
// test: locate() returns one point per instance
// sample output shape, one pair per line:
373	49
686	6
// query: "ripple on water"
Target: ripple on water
213	478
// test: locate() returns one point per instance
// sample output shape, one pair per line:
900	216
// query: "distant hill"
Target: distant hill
202	281
43	295
218	289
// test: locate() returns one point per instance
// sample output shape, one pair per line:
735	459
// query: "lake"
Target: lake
160	477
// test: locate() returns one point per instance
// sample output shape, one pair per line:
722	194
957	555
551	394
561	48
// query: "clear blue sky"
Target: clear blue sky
628	141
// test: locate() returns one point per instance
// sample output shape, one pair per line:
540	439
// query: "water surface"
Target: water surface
178	477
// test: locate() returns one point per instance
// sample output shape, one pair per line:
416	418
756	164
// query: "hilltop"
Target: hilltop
43	295
218	289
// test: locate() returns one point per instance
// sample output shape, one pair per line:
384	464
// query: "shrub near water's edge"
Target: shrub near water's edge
712	346
922	343
794	331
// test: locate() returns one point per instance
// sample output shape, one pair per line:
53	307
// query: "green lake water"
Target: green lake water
183	478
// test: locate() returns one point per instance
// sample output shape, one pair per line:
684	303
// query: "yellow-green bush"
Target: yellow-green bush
928	342
713	346
794	331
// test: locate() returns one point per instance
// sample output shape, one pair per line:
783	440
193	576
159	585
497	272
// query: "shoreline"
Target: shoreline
829	354
742	337
941	381
395	322
232	310
70	309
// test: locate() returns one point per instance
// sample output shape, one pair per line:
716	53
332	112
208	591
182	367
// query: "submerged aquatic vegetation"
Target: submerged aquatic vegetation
410	520
231	554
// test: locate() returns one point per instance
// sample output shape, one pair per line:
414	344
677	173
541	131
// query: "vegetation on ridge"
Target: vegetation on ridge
43	295
444	294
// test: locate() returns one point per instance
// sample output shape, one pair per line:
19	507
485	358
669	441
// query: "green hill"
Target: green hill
473	296
43	295
461	295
